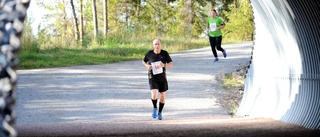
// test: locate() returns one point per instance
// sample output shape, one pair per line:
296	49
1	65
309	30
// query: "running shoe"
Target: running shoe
216	59
224	54
154	112
159	116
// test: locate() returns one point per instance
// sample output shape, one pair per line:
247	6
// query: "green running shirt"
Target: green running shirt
213	23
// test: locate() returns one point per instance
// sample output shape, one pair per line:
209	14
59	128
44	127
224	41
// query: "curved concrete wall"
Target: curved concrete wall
283	79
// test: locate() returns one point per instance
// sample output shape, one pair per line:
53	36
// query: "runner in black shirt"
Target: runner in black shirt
156	61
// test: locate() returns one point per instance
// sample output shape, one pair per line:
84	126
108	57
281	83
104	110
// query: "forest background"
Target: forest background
88	32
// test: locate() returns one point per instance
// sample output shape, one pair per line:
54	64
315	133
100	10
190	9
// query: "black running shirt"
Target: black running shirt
164	57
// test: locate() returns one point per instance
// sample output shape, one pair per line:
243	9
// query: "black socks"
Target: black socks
154	102
160	107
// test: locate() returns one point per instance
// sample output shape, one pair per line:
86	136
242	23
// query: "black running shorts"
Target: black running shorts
162	86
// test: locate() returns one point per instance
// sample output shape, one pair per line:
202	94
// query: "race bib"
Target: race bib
156	67
213	26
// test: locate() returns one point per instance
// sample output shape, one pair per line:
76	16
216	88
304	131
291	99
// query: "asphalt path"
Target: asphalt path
119	92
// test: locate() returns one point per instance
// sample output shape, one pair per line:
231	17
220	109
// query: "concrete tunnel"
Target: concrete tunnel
282	80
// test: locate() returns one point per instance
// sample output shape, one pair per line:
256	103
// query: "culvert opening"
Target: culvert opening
283	79
292	66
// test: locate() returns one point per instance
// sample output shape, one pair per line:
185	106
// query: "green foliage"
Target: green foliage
132	26
57	20
240	23
28	39
157	19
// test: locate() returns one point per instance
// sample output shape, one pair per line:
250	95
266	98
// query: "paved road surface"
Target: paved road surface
114	99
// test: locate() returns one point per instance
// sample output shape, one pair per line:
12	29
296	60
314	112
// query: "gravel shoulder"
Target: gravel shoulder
114	99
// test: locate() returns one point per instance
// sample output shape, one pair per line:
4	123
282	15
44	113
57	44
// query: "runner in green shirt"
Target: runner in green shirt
213	29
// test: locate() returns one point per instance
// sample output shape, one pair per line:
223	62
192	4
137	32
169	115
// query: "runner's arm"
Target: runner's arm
168	65
148	67
222	25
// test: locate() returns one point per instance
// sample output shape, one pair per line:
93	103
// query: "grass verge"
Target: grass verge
233	85
34	56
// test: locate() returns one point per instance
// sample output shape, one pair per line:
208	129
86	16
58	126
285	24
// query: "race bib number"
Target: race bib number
156	68
213	26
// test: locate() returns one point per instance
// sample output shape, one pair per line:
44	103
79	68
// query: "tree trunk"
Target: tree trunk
138	8
81	22
94	12
75	20
192	13
105	12
65	27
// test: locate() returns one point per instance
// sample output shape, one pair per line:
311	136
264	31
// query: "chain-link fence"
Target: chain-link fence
12	15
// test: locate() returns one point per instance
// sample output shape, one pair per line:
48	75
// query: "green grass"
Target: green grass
232	82
72	57
234	85
34	55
